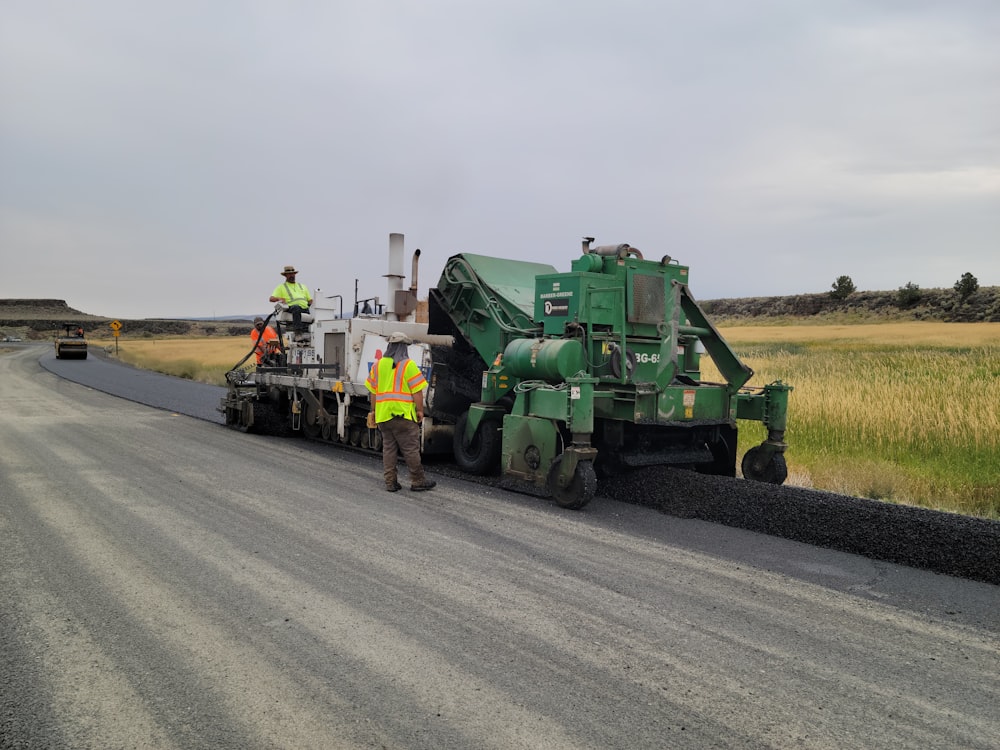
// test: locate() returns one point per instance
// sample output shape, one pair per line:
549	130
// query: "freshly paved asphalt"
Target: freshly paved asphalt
186	397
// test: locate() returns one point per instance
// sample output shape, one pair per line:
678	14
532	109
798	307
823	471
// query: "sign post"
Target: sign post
116	328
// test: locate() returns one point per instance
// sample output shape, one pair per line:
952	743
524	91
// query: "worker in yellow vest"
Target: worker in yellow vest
295	296
397	387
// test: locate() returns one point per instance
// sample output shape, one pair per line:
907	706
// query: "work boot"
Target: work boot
394	487
426	484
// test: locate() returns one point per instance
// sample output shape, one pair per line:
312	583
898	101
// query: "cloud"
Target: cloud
772	146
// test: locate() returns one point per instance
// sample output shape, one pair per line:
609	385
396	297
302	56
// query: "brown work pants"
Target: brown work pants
401	435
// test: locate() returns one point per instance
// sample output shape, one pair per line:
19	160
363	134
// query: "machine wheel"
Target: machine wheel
376	439
483	453
758	469
308	424
578	492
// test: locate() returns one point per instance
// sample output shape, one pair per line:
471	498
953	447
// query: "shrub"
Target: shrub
843	288
966	287
908	295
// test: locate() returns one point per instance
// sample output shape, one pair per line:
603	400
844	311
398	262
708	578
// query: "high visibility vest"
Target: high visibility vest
295	295
266	335
392	388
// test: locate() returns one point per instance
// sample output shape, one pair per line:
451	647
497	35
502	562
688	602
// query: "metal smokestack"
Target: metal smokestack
395	276
413	271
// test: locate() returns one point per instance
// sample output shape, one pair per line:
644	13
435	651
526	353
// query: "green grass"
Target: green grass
915	423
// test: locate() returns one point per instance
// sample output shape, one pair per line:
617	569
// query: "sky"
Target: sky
167	158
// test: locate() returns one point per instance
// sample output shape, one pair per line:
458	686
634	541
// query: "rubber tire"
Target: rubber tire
580	491
483	454
774	471
308	427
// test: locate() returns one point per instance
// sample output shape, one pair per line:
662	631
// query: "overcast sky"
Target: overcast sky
166	158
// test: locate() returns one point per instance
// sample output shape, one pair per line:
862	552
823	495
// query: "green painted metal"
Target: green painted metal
490	300
552	360
603	360
529	446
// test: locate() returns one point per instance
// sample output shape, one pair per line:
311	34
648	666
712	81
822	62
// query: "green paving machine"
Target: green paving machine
568	376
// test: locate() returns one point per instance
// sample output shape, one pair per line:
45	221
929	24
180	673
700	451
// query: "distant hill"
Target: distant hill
42	318
859	307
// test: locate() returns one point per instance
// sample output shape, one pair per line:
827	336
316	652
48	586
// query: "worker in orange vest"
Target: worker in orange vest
265	340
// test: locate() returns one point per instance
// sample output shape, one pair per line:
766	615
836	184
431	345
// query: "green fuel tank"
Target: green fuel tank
552	360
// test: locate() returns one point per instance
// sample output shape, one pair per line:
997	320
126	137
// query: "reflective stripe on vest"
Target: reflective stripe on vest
298	294
393	388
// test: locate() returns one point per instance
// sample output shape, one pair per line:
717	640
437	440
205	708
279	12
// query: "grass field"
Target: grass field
205	360
905	412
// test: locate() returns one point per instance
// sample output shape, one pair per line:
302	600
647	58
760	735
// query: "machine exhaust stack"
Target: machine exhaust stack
402	304
395	275
413	272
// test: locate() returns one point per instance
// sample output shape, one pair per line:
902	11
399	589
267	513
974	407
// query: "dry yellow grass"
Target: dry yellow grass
205	360
911	333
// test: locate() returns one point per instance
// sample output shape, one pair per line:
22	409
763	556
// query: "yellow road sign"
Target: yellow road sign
115	326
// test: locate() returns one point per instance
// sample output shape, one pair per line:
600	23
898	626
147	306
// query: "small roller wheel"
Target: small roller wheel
581	488
758	467
482	454
307	421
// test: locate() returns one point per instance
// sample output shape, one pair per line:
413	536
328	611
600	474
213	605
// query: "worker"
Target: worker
295	296
397	387
264	338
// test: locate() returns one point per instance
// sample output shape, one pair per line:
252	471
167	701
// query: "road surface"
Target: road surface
168	583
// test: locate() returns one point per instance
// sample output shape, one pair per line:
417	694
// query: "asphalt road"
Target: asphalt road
168	583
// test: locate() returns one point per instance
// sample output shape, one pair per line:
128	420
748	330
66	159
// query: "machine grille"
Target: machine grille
648	303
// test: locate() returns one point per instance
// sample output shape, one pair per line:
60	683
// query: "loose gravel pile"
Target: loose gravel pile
943	542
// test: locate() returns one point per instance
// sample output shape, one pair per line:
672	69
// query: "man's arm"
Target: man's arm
279	294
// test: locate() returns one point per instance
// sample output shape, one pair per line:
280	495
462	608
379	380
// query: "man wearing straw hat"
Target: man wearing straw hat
296	296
